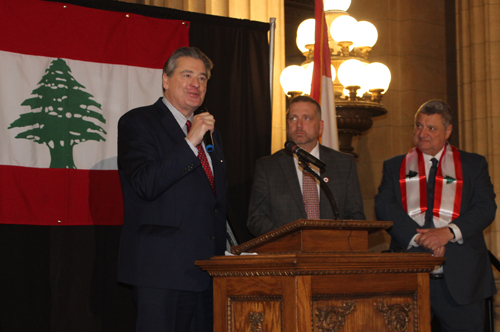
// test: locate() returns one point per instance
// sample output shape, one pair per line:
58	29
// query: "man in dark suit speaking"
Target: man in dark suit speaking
174	197
441	199
282	192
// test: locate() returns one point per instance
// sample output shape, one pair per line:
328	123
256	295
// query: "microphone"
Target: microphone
303	154
207	138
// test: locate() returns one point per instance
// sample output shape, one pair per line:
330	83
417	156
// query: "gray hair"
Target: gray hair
191	52
436	106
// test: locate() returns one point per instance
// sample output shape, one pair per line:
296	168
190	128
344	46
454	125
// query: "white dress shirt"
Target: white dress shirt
300	170
181	120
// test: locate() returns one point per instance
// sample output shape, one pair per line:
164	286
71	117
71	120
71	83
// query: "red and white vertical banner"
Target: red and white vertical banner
322	85
67	75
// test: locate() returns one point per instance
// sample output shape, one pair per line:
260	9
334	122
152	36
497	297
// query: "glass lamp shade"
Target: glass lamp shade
366	34
293	78
378	76
343	28
352	72
336	4
305	34
309	67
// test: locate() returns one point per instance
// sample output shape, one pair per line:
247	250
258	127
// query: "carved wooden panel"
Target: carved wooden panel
391	312
254	313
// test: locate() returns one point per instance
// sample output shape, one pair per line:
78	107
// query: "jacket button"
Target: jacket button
212	237
215	210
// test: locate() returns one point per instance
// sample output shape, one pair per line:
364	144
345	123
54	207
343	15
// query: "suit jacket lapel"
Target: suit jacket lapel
177	134
288	166
168	121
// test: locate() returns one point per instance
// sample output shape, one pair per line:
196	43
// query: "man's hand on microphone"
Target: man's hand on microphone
202	123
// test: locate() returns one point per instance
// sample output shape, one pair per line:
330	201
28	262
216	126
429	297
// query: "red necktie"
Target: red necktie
310	196
204	160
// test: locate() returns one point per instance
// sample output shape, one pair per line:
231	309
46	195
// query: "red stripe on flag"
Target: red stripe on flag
322	85
321	52
58	196
61	30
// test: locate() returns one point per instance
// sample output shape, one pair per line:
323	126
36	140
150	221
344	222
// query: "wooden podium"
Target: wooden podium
318	275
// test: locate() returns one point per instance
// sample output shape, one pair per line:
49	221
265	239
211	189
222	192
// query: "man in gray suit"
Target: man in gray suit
281	191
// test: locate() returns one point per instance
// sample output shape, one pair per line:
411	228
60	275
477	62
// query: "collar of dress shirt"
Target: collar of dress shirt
315	151
427	160
181	119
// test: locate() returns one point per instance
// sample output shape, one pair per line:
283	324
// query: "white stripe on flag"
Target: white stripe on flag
118	88
330	136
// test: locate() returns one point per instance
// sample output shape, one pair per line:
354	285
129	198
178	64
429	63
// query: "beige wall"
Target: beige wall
478	46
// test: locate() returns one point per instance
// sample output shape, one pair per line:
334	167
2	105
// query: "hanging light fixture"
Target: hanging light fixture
358	84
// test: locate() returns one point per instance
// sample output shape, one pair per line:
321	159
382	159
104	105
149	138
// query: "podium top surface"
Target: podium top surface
305	235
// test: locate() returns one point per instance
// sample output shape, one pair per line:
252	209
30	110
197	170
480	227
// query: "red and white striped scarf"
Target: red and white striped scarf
447	191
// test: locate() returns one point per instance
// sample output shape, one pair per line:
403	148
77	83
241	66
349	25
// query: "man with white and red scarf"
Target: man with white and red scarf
448	221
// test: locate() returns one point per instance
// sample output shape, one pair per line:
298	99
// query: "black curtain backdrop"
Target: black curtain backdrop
64	278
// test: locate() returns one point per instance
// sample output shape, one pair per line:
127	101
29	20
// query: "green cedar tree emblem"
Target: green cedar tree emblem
449	179
61	115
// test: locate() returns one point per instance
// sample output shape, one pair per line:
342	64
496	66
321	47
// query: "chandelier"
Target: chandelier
358	84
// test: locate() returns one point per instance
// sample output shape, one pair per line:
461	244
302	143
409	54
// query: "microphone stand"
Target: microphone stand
323	186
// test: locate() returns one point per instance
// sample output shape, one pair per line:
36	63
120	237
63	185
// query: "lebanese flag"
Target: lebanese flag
67	75
322	85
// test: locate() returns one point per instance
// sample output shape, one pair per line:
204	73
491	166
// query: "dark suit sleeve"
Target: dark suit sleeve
259	210
354	209
481	207
151	170
389	207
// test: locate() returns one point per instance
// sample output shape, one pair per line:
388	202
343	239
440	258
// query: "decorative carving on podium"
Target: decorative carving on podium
332	319
396	316
256	318
294	272
247	312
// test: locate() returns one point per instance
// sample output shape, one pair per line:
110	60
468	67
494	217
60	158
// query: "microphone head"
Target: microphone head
200	109
290	146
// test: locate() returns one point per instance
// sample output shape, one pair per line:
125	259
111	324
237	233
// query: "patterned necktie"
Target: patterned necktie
310	196
204	160
429	223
